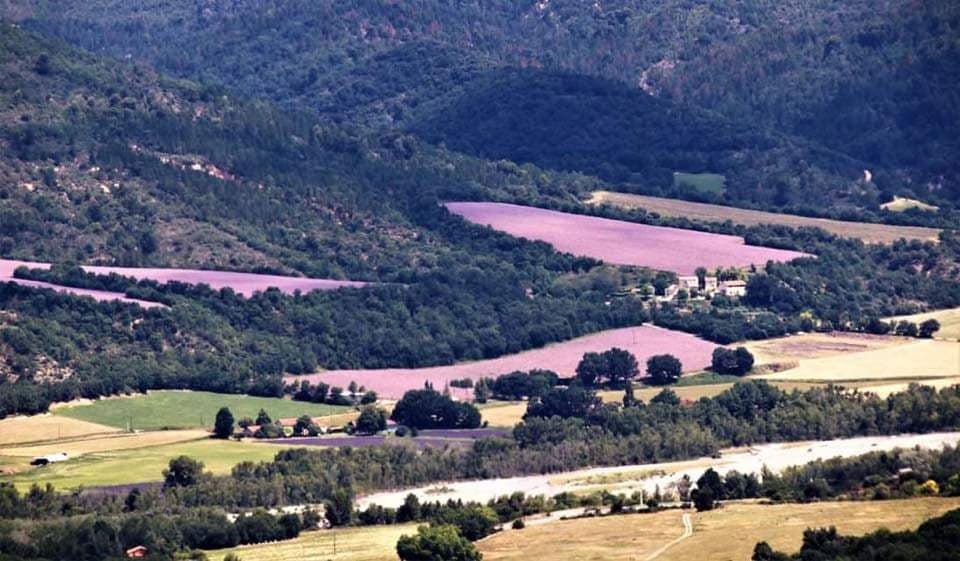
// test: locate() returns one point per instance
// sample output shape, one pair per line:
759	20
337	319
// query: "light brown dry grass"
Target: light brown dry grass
614	538
949	322
725	534
900	204
914	360
40	428
506	415
369	543
79	447
733	531
794	349
870	233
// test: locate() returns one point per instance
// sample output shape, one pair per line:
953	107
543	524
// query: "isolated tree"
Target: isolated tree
701	273
320	392
481	390
666	397
263	418
629	399
591	369
928	328
907	329
304	392
339	508
763	552
621	365
437	543
703	499
306	425
475	521
410	509
711	480
744	360
371	420
664	369
223	426
728	361
182	471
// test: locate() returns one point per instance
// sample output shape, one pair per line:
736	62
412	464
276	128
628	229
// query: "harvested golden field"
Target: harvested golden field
733	531
883	390
613	538
726	534
369	543
126	441
949	322
913	360
792	349
506	414
900	204
870	233
40	428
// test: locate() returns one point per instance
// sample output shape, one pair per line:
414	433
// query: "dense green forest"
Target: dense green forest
857	81
578	123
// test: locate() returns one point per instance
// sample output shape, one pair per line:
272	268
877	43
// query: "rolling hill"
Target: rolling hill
861	81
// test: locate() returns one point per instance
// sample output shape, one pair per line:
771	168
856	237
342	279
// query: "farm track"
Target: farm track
687	532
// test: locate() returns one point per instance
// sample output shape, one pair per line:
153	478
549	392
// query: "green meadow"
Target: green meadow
143	464
704	182
188	409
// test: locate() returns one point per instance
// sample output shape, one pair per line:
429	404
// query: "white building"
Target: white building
733	288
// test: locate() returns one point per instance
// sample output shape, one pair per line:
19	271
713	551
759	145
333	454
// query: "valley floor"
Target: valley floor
730	532
647	477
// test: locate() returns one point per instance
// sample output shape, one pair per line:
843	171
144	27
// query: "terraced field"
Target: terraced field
870	233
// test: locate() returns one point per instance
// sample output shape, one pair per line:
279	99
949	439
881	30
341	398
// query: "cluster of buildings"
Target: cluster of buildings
711	287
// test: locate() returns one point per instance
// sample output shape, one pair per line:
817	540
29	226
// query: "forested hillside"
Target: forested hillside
110	163
577	123
869	81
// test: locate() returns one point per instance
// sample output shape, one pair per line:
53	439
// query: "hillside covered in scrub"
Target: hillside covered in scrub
840	88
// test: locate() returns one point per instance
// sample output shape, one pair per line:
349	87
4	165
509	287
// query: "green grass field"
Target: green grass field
185	409
143	464
704	182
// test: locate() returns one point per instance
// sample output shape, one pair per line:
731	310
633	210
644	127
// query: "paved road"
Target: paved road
687	532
